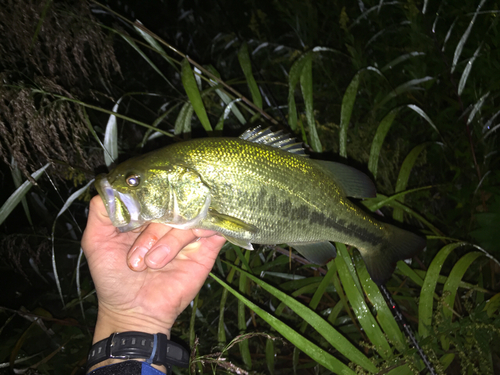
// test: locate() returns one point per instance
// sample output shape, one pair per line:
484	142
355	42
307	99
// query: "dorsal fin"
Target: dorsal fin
274	139
355	183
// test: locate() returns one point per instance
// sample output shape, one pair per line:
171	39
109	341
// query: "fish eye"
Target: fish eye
133	180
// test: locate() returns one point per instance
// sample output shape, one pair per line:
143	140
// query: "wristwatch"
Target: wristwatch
155	348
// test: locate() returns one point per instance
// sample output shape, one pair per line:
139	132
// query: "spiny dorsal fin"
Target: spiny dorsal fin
274	139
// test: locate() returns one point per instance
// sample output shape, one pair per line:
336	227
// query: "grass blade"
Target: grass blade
111	138
424	115
400	59
384	315
315	352
306	86
425	306
451	286
318	323
192	334
225	98
270	353
66	205
477	107
404	176
242	326
463	39
183	120
371	202
466	72
130	41
246	66
20	192
293	80
346	111
405	87
363	314
18	181
189	83
378	140
153	43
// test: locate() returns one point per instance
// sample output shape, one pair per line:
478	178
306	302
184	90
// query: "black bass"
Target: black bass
260	188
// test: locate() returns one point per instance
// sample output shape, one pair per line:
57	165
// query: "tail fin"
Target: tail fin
400	244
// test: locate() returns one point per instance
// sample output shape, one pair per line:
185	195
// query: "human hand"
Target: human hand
143	280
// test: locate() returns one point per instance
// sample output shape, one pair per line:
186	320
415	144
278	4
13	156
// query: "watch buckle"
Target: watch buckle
110	345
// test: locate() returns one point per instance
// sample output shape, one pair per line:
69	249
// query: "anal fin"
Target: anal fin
316	252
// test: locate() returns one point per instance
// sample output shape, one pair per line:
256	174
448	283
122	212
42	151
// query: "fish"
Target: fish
259	188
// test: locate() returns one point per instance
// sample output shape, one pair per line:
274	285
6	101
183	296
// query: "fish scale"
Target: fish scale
255	192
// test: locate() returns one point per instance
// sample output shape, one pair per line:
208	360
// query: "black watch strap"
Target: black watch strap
131	345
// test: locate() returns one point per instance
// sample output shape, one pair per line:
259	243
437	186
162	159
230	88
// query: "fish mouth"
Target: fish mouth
123	209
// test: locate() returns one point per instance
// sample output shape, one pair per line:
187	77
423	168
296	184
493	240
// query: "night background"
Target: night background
407	92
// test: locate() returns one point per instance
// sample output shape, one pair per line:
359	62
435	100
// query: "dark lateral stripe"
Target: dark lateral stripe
343	226
303	216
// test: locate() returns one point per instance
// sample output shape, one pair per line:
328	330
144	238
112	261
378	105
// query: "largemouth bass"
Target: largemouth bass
260	188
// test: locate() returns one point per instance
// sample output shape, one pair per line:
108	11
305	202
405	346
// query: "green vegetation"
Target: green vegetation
408	92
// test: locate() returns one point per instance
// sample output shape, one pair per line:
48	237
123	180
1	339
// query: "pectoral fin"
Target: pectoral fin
233	229
316	252
245	244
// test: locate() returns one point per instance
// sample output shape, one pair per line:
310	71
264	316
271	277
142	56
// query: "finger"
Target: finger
204	232
168	247
99	225
210	247
143	244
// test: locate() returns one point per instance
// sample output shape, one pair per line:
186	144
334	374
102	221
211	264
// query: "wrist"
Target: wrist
156	349
112	361
110	321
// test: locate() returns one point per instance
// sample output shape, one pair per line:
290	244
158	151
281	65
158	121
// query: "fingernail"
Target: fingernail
158	255
136	258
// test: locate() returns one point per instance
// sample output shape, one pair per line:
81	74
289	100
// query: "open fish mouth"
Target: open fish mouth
123	209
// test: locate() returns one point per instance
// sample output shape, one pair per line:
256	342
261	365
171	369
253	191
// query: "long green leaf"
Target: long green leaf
20	192
270	353
293	80
346	111
404	176
157	46
425	306
318	323
183	121
347	260
465	36
453	281
424	115
450	288
130	41
111	138
193	93
66	205
400	59
466	72
18	181
315	352
411	85
242	326
306	86
246	66
384	315
363	314
226	99
378	140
